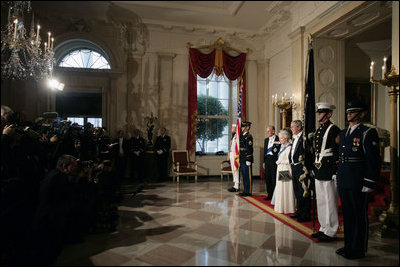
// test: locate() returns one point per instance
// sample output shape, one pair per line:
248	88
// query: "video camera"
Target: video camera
86	164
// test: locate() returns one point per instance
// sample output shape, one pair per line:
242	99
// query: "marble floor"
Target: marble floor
201	223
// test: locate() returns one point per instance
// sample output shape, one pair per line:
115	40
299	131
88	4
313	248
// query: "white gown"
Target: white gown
285	201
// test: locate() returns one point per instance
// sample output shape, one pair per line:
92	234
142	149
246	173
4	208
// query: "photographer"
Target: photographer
21	173
55	204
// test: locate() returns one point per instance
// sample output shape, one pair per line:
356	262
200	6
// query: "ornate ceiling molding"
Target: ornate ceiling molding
133	33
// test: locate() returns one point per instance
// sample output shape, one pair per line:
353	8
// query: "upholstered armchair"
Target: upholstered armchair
226	168
182	165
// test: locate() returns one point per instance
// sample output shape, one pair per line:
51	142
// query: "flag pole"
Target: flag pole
309	124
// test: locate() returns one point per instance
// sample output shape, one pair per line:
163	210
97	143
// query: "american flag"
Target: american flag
238	130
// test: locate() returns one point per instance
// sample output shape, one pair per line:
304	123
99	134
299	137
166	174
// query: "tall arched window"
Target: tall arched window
79	53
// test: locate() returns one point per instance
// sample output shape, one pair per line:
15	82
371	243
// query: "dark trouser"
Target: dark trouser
246	174
303	204
120	166
137	165
270	174
355	220
162	165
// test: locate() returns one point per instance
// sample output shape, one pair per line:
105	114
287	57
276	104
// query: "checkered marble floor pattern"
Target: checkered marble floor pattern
201	223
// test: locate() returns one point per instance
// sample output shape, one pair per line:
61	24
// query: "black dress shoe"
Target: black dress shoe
232	189
317	234
326	238
243	194
294	216
353	256
341	251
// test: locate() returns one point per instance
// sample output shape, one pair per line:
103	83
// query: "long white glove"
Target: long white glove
248	163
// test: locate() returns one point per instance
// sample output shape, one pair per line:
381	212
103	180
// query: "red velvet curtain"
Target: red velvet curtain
203	65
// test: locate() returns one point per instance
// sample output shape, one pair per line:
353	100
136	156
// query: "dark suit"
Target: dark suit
162	147
137	146
303	200
270	158
359	165
121	156
246	154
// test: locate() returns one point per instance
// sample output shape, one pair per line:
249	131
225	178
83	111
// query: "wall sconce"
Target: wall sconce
390	217
283	104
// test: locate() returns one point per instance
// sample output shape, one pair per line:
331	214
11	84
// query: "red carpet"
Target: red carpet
305	228
377	203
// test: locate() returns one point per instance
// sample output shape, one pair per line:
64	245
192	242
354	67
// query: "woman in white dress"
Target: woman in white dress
284	194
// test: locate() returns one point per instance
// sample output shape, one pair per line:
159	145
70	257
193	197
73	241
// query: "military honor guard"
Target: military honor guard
358	172
232	154
271	150
246	157
326	156
162	147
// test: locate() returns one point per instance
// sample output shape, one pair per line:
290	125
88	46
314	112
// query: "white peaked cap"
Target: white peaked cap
325	105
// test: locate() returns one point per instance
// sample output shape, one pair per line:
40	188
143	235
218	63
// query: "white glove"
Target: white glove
248	163
136	153
159	152
334	177
367	189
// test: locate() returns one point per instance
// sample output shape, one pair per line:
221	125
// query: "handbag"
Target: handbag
284	176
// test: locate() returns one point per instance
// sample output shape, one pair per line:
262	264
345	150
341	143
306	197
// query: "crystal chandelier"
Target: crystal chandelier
21	55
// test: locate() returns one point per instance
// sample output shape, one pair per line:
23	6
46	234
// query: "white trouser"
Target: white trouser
235	172
327	206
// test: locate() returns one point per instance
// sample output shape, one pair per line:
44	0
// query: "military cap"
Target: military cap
324	107
356	105
246	123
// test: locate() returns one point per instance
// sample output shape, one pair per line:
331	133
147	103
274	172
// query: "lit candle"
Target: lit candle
383	72
45	47
15	28
384	64
273	99
371	70
37	34
52	43
48	39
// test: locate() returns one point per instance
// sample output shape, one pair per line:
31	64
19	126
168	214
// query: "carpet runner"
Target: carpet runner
378	202
305	228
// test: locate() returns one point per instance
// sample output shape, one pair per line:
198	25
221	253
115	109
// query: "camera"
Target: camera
85	164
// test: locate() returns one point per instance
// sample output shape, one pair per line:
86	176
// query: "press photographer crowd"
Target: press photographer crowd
58	184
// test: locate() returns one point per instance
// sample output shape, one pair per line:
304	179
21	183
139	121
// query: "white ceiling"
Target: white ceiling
248	16
238	16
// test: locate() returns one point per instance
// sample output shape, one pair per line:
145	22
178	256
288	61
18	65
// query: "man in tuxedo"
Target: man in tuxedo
271	150
162	147
137	148
301	180
326	157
